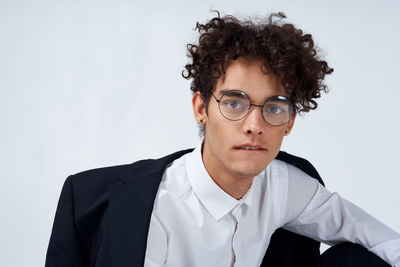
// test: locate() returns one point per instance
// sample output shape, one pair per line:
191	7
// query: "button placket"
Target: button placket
236	214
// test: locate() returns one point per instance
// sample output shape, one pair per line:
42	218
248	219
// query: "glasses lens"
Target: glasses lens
234	105
278	110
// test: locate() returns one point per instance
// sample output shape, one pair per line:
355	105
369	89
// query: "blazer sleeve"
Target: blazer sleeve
65	247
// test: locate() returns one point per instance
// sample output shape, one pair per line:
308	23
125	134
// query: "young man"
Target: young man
220	204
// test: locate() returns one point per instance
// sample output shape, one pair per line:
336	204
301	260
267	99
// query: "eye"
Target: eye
233	104
274	109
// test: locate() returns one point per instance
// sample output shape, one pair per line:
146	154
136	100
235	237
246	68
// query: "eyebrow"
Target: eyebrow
232	92
227	90
223	91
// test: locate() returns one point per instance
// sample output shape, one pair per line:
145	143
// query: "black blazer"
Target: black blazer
103	217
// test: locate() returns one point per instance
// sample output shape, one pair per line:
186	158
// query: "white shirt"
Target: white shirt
195	223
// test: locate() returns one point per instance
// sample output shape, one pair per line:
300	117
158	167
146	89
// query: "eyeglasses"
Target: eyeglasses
234	105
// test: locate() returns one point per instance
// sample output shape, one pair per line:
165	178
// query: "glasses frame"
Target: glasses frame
251	104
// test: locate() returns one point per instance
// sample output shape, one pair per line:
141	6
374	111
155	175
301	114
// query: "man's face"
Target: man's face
223	152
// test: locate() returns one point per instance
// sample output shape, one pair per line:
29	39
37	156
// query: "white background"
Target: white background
85	84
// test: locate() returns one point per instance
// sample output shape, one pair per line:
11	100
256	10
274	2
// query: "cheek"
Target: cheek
219	132
275	139
216	124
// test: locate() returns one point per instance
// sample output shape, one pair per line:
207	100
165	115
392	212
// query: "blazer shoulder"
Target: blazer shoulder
104	175
95	183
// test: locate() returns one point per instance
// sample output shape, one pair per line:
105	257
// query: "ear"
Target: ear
290	124
199	108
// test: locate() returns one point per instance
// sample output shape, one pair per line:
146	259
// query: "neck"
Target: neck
234	185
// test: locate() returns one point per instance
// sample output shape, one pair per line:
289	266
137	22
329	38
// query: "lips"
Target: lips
250	147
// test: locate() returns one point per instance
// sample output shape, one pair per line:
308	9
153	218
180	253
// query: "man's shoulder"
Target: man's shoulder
300	163
108	174
90	190
105	176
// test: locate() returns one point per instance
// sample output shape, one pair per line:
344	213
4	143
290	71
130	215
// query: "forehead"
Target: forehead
251	77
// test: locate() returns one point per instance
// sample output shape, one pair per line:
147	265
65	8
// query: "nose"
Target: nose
253	123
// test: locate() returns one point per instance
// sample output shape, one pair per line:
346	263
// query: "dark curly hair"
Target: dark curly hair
283	48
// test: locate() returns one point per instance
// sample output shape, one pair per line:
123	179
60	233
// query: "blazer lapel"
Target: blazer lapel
131	205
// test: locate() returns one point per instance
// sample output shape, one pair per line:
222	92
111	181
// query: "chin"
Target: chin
246	170
249	165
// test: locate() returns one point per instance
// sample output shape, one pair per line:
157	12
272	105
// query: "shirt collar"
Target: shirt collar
215	200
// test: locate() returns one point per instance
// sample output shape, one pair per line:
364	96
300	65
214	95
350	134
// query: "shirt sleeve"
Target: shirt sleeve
315	212
157	240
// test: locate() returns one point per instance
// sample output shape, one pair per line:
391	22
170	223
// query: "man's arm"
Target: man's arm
315	212
65	248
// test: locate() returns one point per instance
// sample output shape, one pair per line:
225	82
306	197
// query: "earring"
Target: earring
285	131
201	121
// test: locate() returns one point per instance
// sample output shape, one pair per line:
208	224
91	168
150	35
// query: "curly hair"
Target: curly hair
283	48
